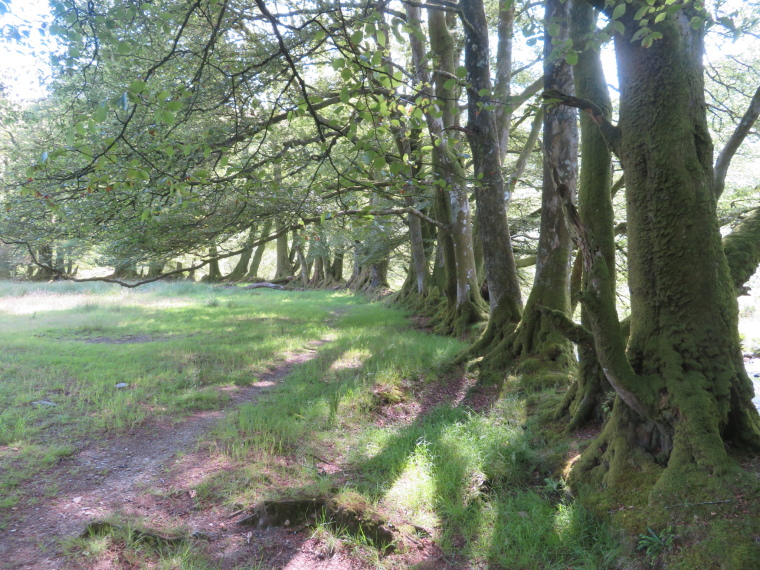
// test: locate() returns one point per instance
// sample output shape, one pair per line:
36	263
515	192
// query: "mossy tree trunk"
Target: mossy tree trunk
126	269
682	391
541	353
585	398
44	270
486	141
742	247
155	268
467	306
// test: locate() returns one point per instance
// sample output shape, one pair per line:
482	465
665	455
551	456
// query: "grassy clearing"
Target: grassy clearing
66	348
370	415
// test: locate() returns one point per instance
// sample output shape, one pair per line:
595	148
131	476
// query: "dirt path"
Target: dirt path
146	473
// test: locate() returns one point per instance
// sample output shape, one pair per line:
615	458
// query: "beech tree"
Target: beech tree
682	392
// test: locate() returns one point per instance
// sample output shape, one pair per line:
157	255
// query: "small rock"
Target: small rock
44	403
77	499
122	385
522	514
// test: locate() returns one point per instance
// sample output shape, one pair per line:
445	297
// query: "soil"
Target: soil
150	474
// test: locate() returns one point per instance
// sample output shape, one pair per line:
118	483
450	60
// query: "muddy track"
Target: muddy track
133	474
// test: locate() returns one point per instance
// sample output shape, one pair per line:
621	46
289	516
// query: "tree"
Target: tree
682	392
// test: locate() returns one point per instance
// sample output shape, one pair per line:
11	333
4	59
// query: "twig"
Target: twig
697	504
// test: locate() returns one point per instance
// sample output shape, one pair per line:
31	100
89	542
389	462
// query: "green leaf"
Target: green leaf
618	11
381	39
461	72
137	86
123	102
174	105
641	12
320	35
357	37
168	117
660	17
100	114
124	48
344	95
553	29
619	27
571	57
379	162
346	73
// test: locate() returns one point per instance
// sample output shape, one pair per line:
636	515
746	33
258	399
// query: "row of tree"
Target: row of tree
443	134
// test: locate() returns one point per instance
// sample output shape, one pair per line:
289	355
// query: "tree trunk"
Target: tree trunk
44	257
467	304
336	268
126	269
585	398
253	269
154	269
214	274
682	392
304	274
543	355
241	267
284	266
60	259
486	139
742	247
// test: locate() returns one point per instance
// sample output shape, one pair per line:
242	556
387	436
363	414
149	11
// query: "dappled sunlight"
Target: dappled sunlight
413	492
351	359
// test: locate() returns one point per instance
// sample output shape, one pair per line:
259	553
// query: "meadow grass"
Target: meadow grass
475	481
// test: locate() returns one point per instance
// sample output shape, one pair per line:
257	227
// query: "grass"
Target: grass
473	480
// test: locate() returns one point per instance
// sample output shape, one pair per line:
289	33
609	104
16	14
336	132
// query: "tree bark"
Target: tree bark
585	398
682	392
491	197
253	269
542	355
284	267
241	267
214	274
450	175
742	248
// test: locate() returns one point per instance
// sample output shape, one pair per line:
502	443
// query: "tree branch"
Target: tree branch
610	132
599	301
733	144
742	249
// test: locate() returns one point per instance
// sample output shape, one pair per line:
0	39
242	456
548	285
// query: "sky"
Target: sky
23	66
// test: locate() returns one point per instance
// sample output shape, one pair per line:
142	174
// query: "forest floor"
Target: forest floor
140	429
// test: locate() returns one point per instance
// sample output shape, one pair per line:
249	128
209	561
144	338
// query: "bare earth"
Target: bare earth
150	473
